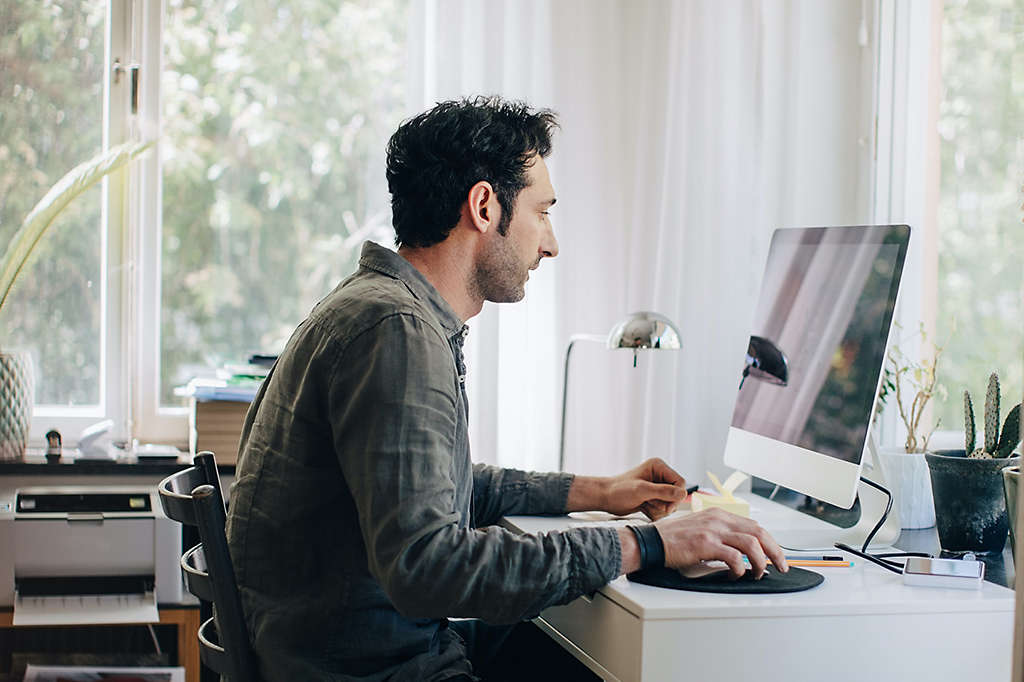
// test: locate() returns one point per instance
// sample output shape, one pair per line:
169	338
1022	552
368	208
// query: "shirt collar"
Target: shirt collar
385	261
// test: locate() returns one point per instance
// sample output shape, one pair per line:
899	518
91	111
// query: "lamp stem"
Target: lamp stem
565	389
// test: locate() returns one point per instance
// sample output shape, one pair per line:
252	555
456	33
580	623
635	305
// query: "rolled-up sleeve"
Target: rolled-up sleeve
392	406
498	492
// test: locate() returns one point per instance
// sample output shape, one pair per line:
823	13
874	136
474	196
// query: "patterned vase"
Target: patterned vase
16	400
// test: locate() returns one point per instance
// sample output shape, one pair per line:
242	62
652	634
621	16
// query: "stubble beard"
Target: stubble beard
499	277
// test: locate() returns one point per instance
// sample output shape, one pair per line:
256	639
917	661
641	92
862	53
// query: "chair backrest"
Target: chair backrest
176	490
193	497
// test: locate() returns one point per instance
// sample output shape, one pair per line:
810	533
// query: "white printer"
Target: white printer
87	555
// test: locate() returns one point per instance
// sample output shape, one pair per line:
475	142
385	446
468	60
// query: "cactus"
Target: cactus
1011	433
992	414
995	445
970	435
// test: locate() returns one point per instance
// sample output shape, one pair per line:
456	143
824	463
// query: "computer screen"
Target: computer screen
815	358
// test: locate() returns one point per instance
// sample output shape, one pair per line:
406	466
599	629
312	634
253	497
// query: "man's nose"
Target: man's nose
549	245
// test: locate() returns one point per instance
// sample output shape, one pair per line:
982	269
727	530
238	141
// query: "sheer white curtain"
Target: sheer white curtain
690	130
464	48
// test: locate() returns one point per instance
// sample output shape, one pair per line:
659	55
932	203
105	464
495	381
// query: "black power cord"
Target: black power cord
880	559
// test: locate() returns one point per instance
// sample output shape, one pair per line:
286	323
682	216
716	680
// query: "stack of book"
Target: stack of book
216	425
218	409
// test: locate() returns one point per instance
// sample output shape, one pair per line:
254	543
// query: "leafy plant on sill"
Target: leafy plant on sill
905	377
76	181
996	444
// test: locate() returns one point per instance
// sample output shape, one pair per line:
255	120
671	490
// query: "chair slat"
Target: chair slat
193	570
212	654
193	496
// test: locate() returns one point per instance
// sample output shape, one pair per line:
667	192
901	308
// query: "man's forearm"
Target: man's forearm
587	493
591	492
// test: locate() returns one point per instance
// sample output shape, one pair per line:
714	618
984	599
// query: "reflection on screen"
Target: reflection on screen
827	300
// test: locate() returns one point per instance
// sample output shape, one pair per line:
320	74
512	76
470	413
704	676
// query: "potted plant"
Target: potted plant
970	509
16	374
912	384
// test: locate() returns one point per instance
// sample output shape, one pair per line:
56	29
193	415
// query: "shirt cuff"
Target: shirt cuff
548	493
597	559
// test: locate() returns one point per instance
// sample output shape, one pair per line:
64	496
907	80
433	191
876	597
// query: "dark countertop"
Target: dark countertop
999	568
36	465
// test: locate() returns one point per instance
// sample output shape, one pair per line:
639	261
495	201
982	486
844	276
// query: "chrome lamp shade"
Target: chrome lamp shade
645	330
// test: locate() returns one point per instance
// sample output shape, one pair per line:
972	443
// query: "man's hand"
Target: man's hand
653	488
714	534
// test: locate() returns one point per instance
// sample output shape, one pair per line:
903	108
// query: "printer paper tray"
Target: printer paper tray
89	609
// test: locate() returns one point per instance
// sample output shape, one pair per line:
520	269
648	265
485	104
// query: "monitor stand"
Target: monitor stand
808	533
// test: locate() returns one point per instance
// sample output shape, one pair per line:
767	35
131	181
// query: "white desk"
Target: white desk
861	624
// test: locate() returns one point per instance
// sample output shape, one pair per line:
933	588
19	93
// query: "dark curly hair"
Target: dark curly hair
434	158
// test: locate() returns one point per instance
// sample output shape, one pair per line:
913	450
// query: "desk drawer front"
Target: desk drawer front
605	631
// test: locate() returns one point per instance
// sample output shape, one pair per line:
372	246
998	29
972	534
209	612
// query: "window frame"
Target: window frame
906	171
115	204
153	423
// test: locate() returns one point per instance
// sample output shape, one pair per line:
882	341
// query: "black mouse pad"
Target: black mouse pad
796	580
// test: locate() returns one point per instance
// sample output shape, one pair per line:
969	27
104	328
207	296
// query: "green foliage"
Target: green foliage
1010	436
996	445
980	248
51	113
970	433
276	116
992	413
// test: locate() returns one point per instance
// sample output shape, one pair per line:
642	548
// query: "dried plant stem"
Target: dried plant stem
911	417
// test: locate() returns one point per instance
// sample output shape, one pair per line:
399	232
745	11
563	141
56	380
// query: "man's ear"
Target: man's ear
482	206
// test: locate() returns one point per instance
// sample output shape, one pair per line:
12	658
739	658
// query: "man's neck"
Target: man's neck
448	267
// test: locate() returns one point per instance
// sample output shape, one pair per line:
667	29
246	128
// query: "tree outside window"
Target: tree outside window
275	117
979	217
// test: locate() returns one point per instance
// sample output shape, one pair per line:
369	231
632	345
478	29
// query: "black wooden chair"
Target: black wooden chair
193	497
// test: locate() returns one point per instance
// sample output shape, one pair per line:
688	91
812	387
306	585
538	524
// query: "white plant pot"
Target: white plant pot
911	486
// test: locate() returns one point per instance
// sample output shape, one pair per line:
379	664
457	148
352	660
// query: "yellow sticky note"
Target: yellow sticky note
725	498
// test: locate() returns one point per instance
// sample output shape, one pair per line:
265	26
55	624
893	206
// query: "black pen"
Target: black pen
692	489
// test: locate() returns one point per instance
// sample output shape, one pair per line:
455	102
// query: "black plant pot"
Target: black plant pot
970	509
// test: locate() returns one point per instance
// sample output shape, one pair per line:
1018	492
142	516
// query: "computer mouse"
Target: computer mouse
716	570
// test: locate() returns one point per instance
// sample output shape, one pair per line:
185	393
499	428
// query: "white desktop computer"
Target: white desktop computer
813	369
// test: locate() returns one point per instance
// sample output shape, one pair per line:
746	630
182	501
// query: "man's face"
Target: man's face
506	260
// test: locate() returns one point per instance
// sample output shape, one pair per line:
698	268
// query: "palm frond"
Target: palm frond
79	179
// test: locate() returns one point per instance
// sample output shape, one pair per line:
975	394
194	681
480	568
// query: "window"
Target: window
272	117
980	249
950	159
275	116
55	112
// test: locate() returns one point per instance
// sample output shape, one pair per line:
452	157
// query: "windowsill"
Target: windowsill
36	465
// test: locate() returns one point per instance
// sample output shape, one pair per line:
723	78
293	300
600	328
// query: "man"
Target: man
358	523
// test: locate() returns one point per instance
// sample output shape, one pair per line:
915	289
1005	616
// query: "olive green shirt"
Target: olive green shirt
358	523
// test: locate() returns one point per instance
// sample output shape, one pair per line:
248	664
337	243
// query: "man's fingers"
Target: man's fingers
663	472
749	545
656	509
663	491
734	559
772	549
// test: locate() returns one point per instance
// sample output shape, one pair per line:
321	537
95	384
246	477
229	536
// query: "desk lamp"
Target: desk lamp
765	361
639	330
